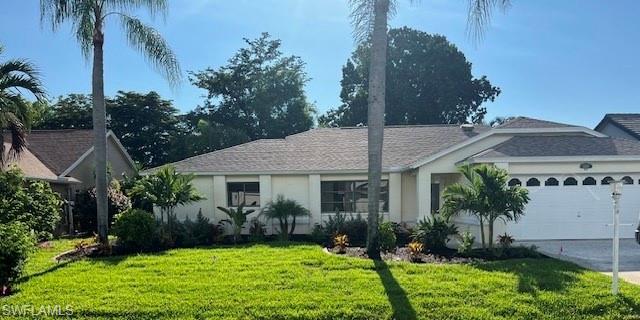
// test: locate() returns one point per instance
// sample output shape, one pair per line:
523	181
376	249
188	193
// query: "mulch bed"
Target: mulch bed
402	254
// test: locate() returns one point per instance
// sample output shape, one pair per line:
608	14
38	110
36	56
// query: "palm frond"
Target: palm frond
21	74
151	44
154	7
81	14
362	17
479	16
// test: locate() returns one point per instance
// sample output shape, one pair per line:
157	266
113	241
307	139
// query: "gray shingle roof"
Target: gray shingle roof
549	146
59	149
531	123
329	149
629	122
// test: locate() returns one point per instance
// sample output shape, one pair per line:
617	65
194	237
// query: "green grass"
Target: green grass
299	281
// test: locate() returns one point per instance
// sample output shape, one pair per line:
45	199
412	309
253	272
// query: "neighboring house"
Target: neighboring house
620	125
64	158
566	168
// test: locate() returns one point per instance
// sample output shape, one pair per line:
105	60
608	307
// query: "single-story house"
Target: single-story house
567	169
620	125
64	158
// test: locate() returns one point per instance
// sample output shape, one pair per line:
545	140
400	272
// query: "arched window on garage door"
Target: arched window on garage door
551	182
589	181
606	181
627	180
533	182
570	182
514	182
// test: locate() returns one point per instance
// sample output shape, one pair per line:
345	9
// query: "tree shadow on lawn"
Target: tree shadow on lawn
400	303
53	268
537	274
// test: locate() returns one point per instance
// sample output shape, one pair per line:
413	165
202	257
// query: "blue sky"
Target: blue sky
569	61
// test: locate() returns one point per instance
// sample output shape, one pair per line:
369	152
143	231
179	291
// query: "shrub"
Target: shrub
204	232
33	203
356	229
402	232
466	243
257	230
16	243
285	210
135	230
335	224
434	233
319	235
341	242
85	211
387	236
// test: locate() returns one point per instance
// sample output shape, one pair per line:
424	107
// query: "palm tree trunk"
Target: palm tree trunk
375	121
491	221
100	133
482	233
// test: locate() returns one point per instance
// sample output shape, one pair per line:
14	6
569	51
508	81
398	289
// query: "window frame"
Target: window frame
244	194
352	194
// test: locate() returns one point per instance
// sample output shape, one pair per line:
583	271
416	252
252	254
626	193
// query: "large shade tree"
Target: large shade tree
370	20
429	81
17	76
88	19
260	92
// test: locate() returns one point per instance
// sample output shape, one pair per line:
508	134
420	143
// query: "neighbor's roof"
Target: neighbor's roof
531	123
59	149
562	146
330	149
30	165
629	122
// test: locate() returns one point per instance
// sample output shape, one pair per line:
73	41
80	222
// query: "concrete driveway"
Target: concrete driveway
594	254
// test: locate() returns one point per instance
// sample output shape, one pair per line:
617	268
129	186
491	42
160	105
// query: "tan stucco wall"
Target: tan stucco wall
409	204
117	162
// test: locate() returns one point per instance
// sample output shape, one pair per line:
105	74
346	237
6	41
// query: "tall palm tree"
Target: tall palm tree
16	76
370	19
88	18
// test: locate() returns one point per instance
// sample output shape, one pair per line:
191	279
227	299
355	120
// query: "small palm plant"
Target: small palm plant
284	210
487	196
237	219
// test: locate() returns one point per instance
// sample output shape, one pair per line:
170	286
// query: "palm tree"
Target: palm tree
282	210
167	189
237	219
369	19
88	19
486	196
16	76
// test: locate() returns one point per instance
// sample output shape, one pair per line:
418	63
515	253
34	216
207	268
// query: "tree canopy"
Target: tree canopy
260	91
429	81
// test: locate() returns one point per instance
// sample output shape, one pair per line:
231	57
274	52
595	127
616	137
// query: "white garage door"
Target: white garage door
576	211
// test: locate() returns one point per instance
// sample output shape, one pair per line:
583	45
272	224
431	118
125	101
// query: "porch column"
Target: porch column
423	192
314	200
395	197
266	197
219	197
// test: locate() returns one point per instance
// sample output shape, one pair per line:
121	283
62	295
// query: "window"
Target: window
514	182
606	180
243	192
627	180
570	182
551	182
589	181
533	182
435	197
350	196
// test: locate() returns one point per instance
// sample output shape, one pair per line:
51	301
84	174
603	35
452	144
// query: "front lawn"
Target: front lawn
300	281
